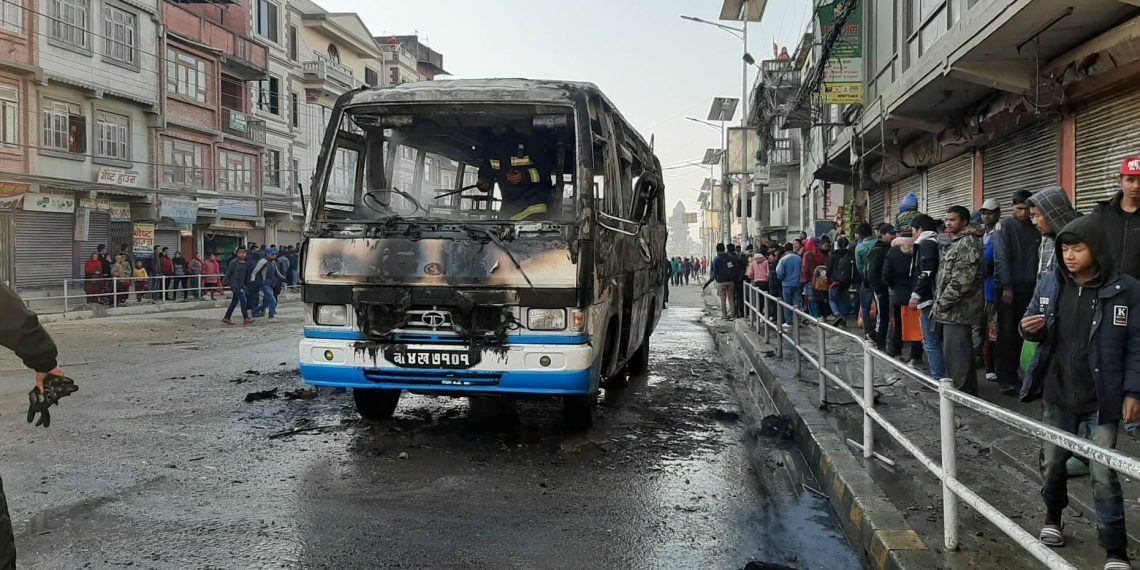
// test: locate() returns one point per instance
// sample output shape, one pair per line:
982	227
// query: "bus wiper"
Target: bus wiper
494	238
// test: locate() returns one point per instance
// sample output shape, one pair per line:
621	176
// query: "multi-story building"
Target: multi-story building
18	69
407	59
974	99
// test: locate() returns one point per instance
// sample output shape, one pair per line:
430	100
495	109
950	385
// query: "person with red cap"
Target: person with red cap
1120	221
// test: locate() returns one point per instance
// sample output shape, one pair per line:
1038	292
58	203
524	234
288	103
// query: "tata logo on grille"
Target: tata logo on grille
434	319
433	269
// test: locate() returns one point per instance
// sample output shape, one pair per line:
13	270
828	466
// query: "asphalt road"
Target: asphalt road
159	462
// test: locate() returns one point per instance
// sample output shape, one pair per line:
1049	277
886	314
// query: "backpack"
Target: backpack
819	281
843	269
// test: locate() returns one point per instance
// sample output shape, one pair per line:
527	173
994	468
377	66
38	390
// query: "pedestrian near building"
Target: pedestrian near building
267	277
874	277
1121	223
738	288
1016	244
864	241
21	332
758	274
237	278
897	278
167	268
789	272
959	301
811	259
286	267
908	210
723	272
1050	210
840	273
140	275
1086	370
121	273
93	278
212	281
991	213
194	268
927	259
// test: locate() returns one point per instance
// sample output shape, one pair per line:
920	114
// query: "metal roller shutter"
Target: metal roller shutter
950	183
256	235
1029	159
98	232
1106	135
900	189
168	238
43	242
288	238
878	206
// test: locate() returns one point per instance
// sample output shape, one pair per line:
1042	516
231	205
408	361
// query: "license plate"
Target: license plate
416	358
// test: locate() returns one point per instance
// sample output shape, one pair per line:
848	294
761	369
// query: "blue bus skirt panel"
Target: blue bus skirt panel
507	382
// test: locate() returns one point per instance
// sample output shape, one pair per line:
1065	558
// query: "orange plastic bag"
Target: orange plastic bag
911	324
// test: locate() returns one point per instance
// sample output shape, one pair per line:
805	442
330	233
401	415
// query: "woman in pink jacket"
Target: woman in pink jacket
758	269
210	280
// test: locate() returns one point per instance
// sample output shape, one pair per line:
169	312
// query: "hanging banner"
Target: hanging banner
843	74
97	203
183	212
237	208
144	240
50	201
82	223
12	193
120	211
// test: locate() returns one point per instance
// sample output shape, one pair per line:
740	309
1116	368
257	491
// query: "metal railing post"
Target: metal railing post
949	465
779	331
765	317
162	286
868	400
114	293
796	340
65	298
821	341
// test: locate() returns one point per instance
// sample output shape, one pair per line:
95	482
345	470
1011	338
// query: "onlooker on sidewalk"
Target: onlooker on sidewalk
167	270
1016	242
266	277
237	278
840	272
738	287
897	277
1050	210
1087	370
925	274
958	302
194	267
908	211
724	267
758	273
180	280
864	241
93	278
212	283
991	213
121	272
775	286
789	271
1121	223
810	260
874	279
140	275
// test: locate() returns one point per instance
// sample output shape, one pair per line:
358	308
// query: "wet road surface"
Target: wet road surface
158	462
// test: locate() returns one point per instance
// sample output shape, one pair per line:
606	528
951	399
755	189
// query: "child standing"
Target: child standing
1089	376
140	276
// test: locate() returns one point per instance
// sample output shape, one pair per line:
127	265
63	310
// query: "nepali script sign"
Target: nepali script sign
144	240
843	74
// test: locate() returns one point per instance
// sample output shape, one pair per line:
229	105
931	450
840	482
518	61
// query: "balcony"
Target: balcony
243	126
784	153
241	57
781	78
325	78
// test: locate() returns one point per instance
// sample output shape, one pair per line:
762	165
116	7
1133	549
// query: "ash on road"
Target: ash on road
159	462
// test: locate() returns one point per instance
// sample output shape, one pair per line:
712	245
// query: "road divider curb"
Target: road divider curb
132	310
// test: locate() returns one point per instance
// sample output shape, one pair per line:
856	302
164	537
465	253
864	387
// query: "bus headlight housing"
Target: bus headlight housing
332	315
546	319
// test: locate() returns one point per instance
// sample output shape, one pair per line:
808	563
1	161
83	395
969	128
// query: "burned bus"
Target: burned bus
498	237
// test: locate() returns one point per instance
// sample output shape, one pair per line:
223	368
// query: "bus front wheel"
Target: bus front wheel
375	403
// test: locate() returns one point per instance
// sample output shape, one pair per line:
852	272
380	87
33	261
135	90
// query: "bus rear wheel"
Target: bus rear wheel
375	403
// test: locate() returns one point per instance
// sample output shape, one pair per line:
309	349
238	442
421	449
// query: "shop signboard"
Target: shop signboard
843	79
82	223
120	211
118	176
144	240
12	194
58	201
183	212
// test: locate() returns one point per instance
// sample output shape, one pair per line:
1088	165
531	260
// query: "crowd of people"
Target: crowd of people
1039	300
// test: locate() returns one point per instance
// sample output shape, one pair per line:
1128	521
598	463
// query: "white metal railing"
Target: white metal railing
953	490
115	292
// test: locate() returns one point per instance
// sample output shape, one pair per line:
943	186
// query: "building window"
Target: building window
236	174
119	33
9	114
265	17
269	95
182	163
112	135
371	77
64	127
295	109
394	75
334	54
295	173
185	76
342	183
12	15
68	22
292	39
272	168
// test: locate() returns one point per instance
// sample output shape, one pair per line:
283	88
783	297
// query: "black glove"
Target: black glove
55	387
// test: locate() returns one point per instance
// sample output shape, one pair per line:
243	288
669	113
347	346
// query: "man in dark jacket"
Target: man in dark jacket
724	268
20	332
1087	370
925	271
897	277
874	276
1050	209
1016	242
1121	223
840	273
239	274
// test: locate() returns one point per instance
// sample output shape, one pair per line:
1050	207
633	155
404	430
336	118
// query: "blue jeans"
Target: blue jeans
238	299
1106	487
866	298
268	301
932	346
793	296
840	300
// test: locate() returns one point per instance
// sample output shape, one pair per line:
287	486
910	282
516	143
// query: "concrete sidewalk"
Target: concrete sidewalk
997	462
98	311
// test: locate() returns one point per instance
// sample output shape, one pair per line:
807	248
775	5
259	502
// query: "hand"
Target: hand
913	303
1131	410
1033	324
483	185
41	376
1007	296
514	177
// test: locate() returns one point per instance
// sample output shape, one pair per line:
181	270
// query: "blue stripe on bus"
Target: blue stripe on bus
564	382
430	338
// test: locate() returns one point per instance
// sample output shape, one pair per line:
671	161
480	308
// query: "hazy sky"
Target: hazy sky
656	67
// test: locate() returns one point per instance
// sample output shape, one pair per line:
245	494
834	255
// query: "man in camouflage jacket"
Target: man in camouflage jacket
959	301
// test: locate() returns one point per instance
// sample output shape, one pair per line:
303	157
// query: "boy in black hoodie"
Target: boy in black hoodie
1089	375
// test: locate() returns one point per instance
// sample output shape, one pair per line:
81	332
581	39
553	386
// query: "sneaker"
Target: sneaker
248	322
1117	563
991	376
227	322
1076	467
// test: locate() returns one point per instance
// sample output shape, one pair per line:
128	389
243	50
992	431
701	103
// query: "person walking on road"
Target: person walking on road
1121	223
1016	244
238	276
267	277
958	302
927	259
723	271
21	332
211	268
1087	372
